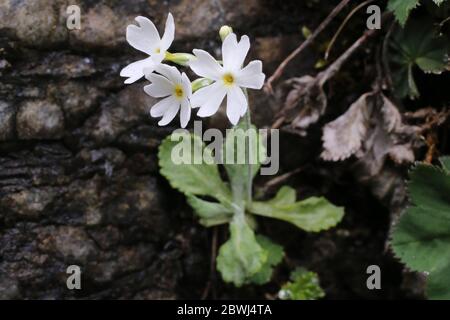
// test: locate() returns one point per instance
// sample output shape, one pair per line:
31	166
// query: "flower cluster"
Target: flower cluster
219	79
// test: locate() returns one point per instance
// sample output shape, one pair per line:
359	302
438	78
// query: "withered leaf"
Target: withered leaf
372	129
343	137
305	102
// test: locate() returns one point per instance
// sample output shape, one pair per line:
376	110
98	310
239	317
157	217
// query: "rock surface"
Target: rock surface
79	182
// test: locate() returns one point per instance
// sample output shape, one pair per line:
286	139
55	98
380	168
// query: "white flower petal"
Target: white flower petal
234	53
170	113
169	33
144	38
202	95
211	99
162	106
185	113
236	104
187	86
205	65
134	71
169	72
251	76
229	47
159	87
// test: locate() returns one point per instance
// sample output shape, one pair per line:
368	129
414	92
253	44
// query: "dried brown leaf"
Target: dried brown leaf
372	129
304	104
343	137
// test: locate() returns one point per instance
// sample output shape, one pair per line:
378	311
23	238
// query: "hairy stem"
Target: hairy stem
248	124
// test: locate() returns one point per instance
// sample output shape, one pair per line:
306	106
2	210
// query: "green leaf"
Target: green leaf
235	159
304	285
274	256
176	160
241	257
402	9
422	236
445	161
416	45
313	214
286	195
438	2
210	213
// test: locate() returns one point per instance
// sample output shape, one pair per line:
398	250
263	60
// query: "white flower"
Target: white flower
229	79
146	38
175	88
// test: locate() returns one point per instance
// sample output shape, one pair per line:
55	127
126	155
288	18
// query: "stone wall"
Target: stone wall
78	172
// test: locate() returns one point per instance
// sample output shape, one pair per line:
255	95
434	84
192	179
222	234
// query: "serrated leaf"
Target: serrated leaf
312	214
422	236
438	2
241	257
402	9
238	142
286	195
445	161
344	136
304	285
176	160
275	254
416	45
210	213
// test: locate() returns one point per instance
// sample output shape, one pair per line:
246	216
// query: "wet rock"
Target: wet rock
240	14
77	100
189	13
38	23
119	113
101	26
7	114
72	243
273	49
40	119
57	64
29	203
9	288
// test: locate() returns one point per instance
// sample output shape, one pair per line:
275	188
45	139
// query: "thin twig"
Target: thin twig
444	21
325	75
331	70
280	179
343	24
279	71
384	53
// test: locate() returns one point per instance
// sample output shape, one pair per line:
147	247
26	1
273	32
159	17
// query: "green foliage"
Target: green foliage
245	257
422	236
416	45
190	178
402	8
210	213
313	214
445	161
275	254
238	171
304	285
241	257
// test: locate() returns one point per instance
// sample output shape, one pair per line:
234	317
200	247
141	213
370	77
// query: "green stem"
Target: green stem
249	185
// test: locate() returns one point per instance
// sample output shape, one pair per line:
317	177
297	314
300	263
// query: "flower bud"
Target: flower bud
225	31
200	83
181	59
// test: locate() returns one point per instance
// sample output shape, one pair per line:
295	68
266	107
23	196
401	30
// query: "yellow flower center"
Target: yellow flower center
228	79
157	50
178	91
